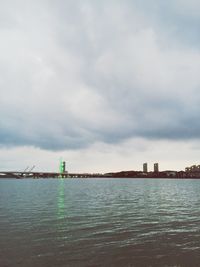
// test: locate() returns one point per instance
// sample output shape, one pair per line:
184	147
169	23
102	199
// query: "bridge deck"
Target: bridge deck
20	175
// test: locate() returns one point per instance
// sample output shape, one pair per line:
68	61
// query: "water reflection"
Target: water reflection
61	199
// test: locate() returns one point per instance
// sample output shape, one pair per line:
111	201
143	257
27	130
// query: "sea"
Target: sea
95	222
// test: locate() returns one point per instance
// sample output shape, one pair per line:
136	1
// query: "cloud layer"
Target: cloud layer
73	73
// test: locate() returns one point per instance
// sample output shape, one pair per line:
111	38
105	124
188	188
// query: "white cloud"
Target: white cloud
101	157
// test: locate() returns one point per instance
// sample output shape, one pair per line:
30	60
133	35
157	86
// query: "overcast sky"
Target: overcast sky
106	85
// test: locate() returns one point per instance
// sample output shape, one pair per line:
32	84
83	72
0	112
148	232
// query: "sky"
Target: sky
105	85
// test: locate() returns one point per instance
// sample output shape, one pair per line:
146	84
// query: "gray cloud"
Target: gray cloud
74	73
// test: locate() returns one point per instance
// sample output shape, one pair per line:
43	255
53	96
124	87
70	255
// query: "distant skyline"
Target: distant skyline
106	85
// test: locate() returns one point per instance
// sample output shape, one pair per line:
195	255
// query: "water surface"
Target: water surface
99	222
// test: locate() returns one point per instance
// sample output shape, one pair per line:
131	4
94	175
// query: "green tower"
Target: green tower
62	167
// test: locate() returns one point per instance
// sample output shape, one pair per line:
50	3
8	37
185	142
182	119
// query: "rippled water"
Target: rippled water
99	222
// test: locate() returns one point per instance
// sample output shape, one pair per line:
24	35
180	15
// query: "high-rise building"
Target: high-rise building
145	167
156	167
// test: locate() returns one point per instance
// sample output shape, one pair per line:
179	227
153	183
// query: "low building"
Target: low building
193	169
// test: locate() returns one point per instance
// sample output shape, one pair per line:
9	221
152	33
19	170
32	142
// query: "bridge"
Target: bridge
36	175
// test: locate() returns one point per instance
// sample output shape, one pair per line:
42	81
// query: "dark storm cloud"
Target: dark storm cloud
76	72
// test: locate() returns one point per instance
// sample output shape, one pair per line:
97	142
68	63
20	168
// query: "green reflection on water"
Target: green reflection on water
61	199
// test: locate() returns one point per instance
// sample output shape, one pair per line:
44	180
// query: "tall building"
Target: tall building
145	167
156	167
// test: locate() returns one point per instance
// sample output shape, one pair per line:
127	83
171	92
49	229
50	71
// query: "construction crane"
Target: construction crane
32	168
26	169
